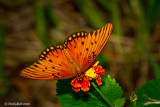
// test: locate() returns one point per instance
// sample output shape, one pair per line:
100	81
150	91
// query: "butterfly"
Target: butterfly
75	56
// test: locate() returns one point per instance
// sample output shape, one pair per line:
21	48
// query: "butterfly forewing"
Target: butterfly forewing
84	49
52	64
74	44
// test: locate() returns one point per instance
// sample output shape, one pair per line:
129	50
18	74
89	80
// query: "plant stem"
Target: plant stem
101	94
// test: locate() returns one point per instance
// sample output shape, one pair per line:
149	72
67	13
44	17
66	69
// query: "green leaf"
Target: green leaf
110	89
119	102
149	94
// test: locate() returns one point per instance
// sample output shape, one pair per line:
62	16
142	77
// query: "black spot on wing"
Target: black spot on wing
50	60
82	43
86	49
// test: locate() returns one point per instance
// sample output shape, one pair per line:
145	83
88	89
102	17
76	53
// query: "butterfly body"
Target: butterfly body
71	59
75	68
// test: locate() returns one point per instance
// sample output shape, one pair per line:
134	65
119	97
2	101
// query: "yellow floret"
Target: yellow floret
91	73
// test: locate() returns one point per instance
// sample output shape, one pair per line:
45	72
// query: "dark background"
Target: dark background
131	56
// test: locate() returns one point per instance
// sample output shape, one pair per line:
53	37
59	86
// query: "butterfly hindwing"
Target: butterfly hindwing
52	64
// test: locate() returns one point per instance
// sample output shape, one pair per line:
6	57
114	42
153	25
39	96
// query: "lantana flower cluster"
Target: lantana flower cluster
83	82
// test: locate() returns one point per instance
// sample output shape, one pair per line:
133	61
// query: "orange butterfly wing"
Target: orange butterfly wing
82	47
85	47
51	65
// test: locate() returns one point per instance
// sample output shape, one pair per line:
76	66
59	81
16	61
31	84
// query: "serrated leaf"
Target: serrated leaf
69	98
111	90
149	94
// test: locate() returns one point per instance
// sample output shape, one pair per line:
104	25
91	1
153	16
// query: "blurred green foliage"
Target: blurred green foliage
5	87
153	63
41	24
50	13
2	40
91	12
11	4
